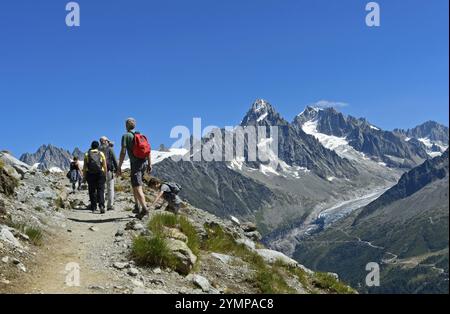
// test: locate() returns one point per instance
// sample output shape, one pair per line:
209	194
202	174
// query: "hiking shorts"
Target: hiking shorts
173	207
137	172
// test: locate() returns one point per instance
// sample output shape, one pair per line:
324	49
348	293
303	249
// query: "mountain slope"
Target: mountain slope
432	136
297	148
405	230
48	157
380	145
303	178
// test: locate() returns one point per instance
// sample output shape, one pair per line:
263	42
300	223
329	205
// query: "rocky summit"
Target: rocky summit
51	243
49	157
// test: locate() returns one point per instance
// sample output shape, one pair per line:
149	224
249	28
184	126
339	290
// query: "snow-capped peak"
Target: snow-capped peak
260	106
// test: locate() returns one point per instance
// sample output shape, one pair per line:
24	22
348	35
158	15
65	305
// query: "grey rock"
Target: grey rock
133	272
18	165
248	227
226	259
202	283
271	257
8	237
137	283
235	221
247	242
22	267
120	265
119	233
140	290
185	258
46	195
254	235
138	227
158	282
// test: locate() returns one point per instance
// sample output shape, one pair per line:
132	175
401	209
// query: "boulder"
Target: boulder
226	259
254	235
202	283
11	161
133	272
134	225
235	220
247	242
7	182
8	237
185	258
120	265
271	257
248	227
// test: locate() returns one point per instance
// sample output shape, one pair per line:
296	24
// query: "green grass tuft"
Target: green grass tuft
35	235
331	284
152	252
159	221
271	280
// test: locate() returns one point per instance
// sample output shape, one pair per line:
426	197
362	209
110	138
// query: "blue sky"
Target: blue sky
165	62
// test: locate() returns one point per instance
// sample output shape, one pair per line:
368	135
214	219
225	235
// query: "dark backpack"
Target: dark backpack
175	188
94	165
73	175
108	156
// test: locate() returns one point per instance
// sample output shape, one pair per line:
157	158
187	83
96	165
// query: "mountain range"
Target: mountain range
49	157
331	171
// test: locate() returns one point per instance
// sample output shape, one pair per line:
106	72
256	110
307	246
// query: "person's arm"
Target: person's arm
157	198
105	165
149	164
79	169
113	156
123	153
85	165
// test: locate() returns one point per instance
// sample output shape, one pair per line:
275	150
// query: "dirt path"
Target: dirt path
84	243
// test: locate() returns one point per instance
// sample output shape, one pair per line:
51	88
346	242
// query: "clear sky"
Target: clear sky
165	62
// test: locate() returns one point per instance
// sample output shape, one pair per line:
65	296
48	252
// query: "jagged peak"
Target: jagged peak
262	112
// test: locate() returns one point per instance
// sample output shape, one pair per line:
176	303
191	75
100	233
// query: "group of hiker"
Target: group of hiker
101	167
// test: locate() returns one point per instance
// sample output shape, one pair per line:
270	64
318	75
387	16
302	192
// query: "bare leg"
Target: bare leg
139	196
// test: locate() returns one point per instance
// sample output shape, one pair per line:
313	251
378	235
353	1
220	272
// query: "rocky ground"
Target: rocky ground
47	235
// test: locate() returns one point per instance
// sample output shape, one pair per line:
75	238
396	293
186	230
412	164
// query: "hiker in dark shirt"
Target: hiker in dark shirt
75	175
95	170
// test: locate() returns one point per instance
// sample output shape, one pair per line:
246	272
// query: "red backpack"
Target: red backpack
141	146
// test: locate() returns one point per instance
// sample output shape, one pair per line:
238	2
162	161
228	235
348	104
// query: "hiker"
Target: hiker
95	170
138	149
169	192
106	147
74	174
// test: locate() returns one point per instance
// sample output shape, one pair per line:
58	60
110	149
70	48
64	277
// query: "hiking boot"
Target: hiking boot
142	214
102	210
136	209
